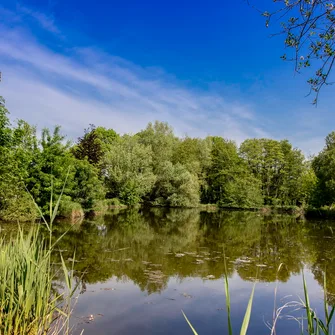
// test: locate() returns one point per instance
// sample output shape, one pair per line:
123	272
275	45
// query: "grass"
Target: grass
29	304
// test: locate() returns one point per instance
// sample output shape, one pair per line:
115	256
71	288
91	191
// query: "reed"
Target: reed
246	319
316	325
29	304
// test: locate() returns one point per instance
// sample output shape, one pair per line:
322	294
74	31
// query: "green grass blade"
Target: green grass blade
38	209
325	297
189	323
55	211
67	279
51	197
308	308
247	315
226	287
330	317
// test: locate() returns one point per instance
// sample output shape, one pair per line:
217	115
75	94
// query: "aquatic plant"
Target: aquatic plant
315	324
29	304
246	319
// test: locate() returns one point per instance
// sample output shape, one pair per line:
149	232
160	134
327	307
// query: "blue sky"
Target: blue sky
207	68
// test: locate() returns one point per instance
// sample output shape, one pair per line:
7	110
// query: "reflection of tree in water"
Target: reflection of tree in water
148	246
320	247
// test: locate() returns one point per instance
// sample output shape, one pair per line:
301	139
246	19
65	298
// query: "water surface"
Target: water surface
139	268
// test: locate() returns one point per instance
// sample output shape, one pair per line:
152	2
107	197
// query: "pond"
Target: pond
139	268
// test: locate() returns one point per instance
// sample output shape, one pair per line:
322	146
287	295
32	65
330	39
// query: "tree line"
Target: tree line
154	167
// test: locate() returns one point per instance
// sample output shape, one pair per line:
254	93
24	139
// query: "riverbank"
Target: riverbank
74	212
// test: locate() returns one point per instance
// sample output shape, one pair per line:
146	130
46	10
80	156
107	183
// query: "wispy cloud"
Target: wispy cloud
76	86
46	22
85	85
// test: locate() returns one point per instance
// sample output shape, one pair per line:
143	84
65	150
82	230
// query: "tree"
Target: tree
195	155
230	182
162	141
49	168
5	132
88	189
278	166
175	186
89	147
324	168
129	173
309	27
15	203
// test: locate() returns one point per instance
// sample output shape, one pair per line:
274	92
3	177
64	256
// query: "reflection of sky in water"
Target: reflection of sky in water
156	260
128	310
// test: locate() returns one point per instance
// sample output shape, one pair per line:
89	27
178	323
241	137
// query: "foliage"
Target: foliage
309	29
69	208
18	207
88	188
94	144
155	167
278	167
129	174
175	186
324	167
29	303
229	180
159	136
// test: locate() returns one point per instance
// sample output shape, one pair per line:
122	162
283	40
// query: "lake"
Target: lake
139	268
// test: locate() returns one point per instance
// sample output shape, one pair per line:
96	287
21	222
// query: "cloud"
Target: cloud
74	86
84	85
46	22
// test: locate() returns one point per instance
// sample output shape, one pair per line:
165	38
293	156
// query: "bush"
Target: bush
69	208
100	207
19	208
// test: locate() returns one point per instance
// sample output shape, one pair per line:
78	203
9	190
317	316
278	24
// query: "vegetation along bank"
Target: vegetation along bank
155	167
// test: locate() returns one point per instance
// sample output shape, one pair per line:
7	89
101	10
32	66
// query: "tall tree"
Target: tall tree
278	166
324	167
162	141
129	173
230	182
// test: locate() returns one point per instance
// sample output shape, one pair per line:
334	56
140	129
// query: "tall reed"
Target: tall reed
29	304
246	319
315	324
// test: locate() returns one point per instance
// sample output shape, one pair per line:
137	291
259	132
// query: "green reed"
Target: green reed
29	304
246	319
315	324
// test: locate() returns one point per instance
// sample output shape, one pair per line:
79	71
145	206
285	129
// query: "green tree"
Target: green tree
15	203
324	168
159	136
175	186
129	174
49	168
88	189
5	131
230	182
195	155
278	166
94	144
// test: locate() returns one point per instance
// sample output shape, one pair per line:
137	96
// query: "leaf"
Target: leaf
189	323
246	319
